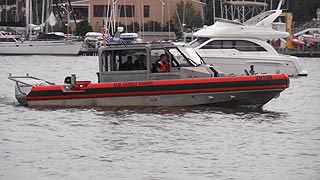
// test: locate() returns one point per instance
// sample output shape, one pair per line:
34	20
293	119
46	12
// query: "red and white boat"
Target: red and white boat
312	37
189	82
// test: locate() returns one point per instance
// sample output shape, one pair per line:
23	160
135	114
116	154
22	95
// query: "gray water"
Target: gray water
279	142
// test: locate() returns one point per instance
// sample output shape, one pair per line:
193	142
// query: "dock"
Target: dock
301	52
88	52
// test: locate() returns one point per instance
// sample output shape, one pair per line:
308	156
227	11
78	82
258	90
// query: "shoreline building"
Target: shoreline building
100	12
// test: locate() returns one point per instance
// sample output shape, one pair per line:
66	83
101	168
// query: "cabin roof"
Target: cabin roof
113	46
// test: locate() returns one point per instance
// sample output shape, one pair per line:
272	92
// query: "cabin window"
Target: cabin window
126	10
105	58
193	56
126	60
155	58
178	59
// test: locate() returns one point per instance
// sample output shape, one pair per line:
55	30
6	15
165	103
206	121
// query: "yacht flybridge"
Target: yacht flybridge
234	46
187	82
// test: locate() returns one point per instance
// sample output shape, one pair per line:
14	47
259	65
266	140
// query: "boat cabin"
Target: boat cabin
138	62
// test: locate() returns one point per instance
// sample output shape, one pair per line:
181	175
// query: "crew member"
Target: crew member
162	65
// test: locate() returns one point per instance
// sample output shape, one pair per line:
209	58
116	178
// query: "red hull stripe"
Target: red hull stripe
172	82
162	92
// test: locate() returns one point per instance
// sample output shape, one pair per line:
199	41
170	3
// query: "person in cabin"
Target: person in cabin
139	64
162	65
128	65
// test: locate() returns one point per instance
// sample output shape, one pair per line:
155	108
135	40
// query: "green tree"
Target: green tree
304	10
84	27
152	26
209	6
187	15
172	26
133	27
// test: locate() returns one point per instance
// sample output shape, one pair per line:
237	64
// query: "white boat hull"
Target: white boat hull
235	57
236	65
312	38
40	48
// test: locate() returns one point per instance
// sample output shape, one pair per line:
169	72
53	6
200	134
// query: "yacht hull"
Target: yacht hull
270	65
240	90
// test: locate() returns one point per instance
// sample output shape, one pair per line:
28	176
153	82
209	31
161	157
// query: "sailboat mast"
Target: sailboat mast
213	10
169	20
30	16
27	15
42	15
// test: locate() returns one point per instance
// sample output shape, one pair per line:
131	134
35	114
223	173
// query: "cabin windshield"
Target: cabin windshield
192	55
179	58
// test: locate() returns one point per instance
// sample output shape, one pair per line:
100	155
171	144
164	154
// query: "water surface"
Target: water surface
281	141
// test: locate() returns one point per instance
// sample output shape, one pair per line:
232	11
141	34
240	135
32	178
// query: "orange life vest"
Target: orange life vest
164	67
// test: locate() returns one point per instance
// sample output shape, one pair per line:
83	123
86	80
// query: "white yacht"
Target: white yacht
237	48
12	45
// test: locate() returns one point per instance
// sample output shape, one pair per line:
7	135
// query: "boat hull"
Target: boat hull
241	90
234	98
40	48
237	64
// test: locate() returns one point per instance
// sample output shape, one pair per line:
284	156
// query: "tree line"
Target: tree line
188	18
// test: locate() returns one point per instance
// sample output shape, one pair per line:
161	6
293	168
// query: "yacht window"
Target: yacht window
198	42
213	45
227	44
241	45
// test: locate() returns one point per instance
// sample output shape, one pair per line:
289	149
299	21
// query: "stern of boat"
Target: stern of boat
24	85
21	91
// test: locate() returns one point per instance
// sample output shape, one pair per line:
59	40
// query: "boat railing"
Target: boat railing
22	80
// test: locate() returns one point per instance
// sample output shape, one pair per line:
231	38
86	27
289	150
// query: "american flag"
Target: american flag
105	34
